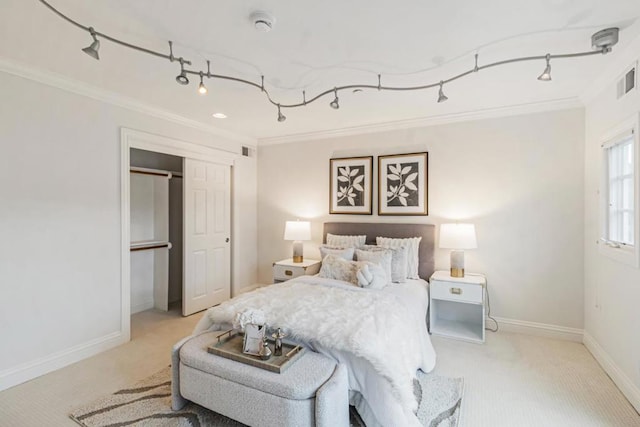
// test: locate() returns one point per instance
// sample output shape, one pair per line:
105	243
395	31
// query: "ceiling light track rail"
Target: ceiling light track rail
602	43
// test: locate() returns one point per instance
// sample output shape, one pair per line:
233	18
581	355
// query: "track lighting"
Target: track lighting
334	104
92	50
202	89
602	42
546	74
441	96
281	117
182	77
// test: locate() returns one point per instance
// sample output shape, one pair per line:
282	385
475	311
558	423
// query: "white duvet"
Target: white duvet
380	335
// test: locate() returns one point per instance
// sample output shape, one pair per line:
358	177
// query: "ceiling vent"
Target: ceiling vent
627	82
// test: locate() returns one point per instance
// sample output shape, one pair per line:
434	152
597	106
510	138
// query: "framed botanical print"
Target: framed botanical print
350	185
403	182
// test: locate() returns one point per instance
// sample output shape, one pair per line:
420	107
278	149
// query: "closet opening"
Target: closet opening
156	231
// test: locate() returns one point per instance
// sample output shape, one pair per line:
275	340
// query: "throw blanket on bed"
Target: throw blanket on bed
368	323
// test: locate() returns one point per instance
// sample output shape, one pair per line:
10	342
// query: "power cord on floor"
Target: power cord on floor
489	310
486	285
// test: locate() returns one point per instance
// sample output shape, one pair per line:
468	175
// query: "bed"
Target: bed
379	335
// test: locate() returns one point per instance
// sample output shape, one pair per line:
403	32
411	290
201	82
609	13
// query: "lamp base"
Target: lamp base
457	272
297	251
457	264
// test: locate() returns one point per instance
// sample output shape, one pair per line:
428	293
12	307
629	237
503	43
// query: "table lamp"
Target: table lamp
457	237
297	231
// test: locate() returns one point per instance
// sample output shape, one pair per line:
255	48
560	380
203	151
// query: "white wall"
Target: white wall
519	179
60	222
612	289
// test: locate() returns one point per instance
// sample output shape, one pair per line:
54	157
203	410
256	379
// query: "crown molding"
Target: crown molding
512	110
78	87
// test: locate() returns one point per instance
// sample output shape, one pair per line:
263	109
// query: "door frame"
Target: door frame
130	138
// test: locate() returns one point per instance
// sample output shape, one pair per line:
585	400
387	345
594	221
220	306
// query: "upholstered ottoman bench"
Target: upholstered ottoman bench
313	391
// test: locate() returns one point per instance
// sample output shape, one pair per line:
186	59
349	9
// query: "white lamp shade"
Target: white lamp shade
297	230
458	236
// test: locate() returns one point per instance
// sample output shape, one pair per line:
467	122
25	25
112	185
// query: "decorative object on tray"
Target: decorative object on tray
265	351
351	185
277	336
253	339
403	181
230	345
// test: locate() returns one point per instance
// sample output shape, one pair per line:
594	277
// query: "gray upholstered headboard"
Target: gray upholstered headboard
377	229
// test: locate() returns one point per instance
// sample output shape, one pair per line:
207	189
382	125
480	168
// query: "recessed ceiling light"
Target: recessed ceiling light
219	115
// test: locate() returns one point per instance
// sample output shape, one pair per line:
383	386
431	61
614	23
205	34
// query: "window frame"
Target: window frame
627	254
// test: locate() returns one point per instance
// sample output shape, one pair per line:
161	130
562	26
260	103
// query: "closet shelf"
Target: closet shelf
144	245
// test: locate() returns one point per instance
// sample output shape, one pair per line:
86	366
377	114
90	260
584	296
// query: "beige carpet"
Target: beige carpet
511	380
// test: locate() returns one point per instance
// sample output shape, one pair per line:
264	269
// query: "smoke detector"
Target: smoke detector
262	21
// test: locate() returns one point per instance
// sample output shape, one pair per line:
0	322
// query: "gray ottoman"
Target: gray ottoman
311	392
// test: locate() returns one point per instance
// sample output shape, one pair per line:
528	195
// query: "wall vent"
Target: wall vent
245	151
627	82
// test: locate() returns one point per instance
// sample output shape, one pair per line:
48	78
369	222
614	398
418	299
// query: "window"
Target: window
620	192
619	196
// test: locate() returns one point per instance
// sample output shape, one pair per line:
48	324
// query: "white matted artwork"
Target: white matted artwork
350	185
403	184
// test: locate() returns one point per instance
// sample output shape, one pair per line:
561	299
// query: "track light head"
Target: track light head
441	96
281	117
92	50
182	77
202	89
546	74
335	103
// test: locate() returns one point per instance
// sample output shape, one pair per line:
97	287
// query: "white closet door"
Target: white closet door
207	228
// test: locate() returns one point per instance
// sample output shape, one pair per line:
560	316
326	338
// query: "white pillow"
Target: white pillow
412	244
382	258
345	241
371	276
346	253
398	261
335	267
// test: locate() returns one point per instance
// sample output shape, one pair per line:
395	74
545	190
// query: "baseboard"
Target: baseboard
142	306
30	370
626	386
539	329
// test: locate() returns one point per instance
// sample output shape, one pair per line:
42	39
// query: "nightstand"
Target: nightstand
456	306
287	269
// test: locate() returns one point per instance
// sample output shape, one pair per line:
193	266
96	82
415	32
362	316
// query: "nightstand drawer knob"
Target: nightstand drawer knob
288	273
455	291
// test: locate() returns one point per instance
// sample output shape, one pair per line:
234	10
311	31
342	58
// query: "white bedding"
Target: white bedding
380	335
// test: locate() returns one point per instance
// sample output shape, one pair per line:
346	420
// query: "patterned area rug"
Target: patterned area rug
148	404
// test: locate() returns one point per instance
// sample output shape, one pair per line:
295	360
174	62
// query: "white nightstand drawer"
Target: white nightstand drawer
286	272
452	291
287	269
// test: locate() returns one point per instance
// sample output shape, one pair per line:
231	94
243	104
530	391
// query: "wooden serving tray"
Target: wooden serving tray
229	345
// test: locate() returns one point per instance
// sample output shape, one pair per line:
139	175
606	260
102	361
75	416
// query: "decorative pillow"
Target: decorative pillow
345	241
382	258
398	261
371	276
346	253
412	244
335	267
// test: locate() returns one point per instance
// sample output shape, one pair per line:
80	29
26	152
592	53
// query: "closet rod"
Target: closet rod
152	173
155	172
150	246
